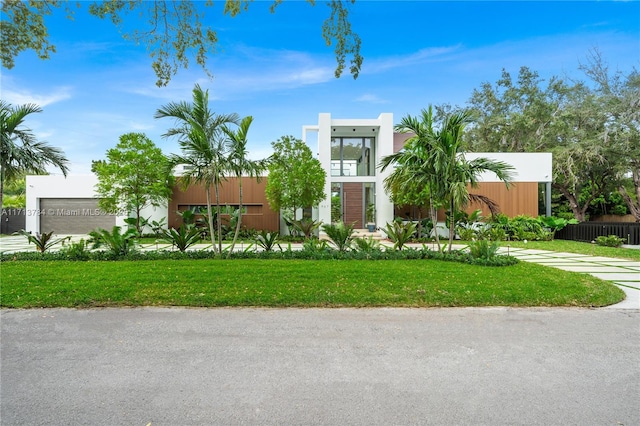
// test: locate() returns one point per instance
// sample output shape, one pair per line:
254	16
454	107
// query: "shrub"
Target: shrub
306	226
329	254
314	245
609	241
467	233
76	251
183	238
268	240
366	245
341	235
43	241
483	249
119	244
496	234
400	233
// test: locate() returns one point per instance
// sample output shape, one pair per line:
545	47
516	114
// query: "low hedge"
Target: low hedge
326	254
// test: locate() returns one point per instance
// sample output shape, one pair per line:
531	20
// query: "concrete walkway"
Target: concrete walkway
623	273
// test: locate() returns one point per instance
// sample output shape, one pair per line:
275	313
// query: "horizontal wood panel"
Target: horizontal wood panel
258	212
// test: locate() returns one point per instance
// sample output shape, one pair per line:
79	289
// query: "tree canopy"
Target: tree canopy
592	128
296	179
173	31
135	174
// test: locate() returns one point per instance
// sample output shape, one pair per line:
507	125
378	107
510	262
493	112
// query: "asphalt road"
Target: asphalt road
171	366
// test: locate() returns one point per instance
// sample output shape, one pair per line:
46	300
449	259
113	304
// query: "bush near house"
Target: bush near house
609	241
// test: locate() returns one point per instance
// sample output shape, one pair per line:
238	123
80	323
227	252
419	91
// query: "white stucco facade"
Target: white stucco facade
72	187
528	166
328	128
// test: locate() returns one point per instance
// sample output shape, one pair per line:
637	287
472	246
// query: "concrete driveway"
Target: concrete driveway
173	366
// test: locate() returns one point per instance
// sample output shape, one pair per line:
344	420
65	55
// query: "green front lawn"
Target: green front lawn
299	283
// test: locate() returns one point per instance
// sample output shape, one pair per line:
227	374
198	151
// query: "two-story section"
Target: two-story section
350	151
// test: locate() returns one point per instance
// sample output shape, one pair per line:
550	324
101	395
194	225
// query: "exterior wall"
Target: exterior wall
73	186
259	214
520	198
529	166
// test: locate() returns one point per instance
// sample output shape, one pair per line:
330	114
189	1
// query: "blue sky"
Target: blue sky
277	68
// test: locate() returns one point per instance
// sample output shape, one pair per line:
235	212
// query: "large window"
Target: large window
353	156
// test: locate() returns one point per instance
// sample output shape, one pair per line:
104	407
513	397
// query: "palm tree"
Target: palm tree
240	165
455	174
432	165
20	151
200	138
414	178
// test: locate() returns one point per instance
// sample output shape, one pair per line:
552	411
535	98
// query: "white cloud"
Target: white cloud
370	98
21	97
431	54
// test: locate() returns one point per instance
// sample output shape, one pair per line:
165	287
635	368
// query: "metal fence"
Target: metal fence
589	231
12	220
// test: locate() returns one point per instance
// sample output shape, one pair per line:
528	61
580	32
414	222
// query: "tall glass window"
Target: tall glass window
352	156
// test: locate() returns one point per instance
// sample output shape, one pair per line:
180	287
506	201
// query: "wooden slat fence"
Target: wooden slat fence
589	231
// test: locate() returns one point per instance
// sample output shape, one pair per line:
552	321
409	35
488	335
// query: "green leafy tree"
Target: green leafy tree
515	116
173	31
619	97
134	175
15	190
20	150
296	179
240	165
591	129
580	160
201	140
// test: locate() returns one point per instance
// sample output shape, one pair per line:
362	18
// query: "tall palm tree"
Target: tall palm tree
239	164
414	176
432	162
20	151
455	174
200	139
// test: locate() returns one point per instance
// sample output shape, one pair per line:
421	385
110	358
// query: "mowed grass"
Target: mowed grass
590	249
295	283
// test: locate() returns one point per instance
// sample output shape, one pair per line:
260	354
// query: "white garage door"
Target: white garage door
73	216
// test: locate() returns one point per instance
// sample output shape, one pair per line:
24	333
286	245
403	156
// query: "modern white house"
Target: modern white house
349	150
